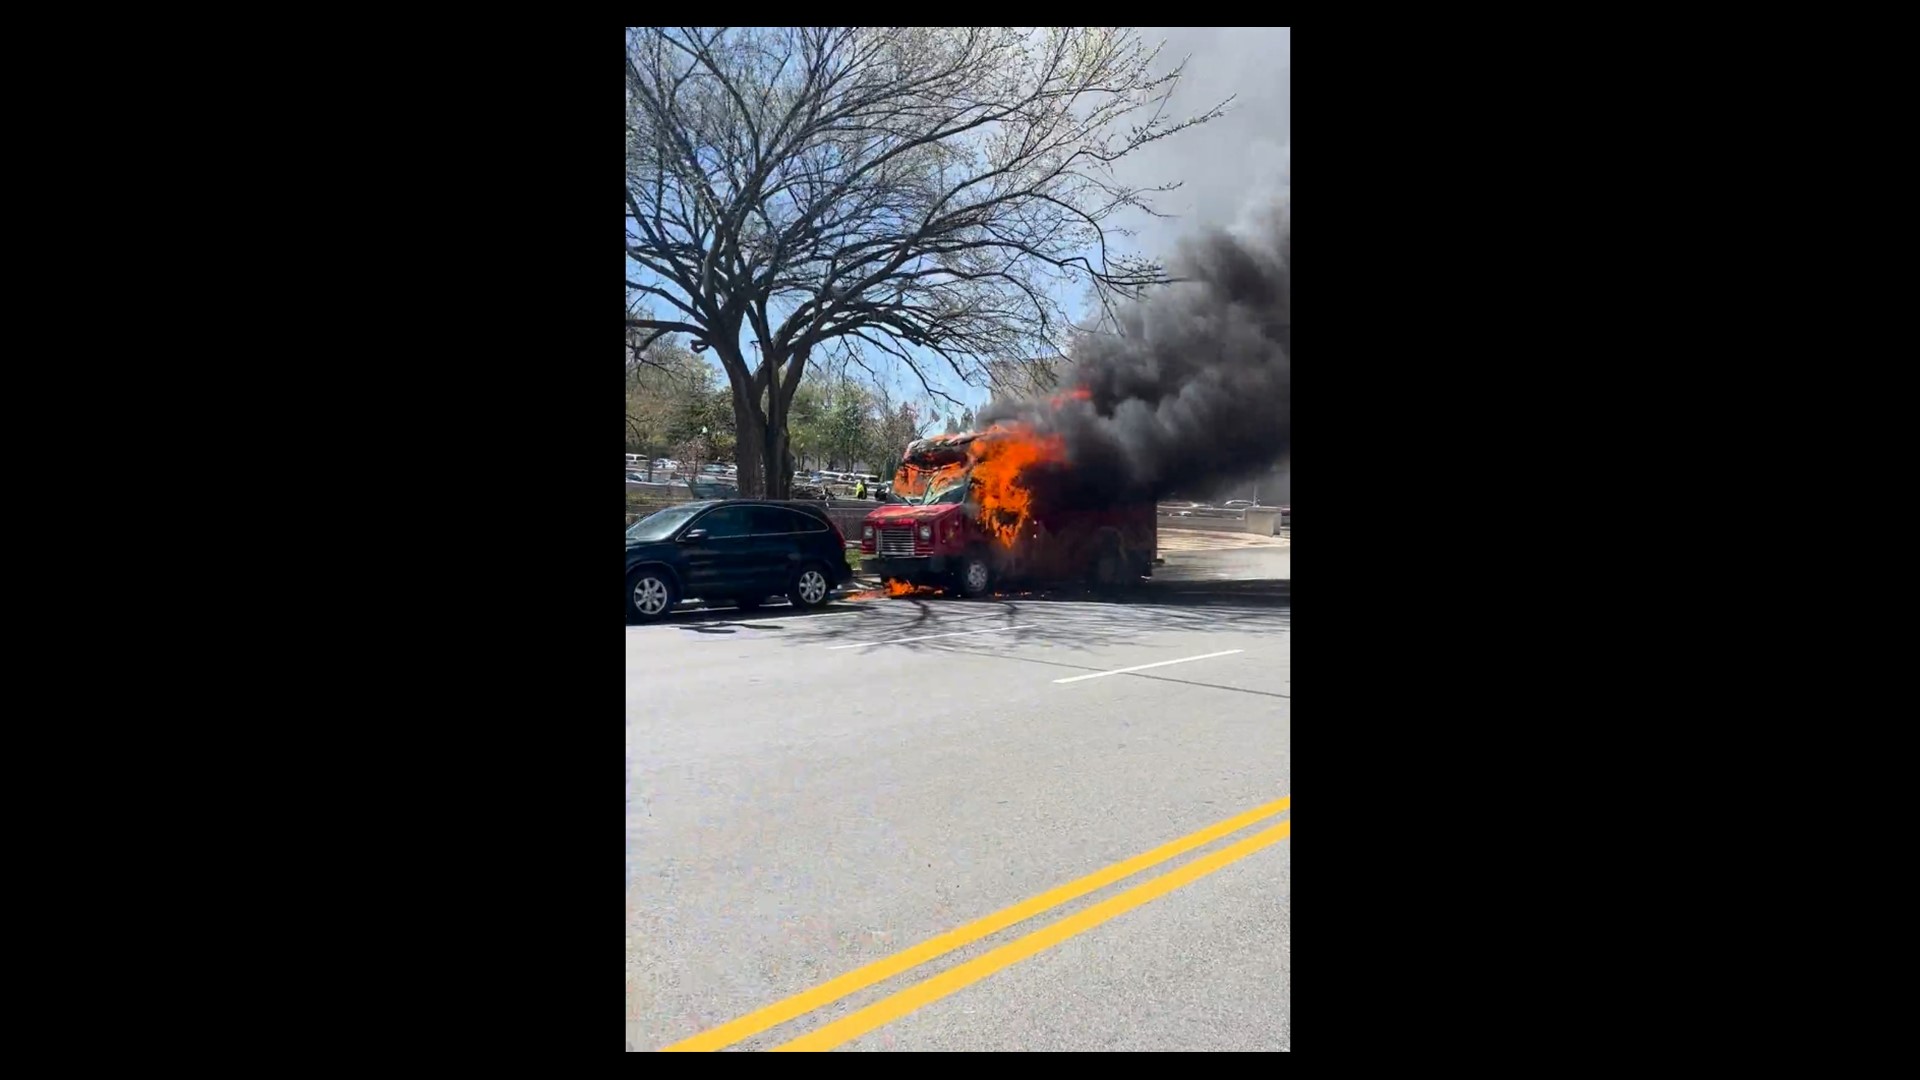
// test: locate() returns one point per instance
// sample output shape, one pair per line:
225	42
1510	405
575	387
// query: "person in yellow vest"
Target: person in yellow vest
860	489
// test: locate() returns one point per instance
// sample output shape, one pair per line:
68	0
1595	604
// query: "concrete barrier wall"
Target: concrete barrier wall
1258	522
849	513
849	519
1200	524
846	513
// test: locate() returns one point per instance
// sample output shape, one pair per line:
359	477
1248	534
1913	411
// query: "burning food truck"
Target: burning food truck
983	509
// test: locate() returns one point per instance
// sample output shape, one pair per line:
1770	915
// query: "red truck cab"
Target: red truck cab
934	535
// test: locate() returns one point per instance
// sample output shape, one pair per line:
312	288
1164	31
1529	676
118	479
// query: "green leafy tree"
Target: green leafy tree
849	425
808	424
661	380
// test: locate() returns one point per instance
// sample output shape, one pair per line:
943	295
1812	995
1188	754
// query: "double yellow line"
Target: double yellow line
921	994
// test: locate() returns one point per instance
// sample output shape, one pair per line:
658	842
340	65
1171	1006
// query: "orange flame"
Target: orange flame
897	588
1000	458
997	459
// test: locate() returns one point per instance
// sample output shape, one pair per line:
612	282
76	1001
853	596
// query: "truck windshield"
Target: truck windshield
921	479
946	489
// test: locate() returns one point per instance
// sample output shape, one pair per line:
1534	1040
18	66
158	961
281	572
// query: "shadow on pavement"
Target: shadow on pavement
1076	615
1080	618
725	618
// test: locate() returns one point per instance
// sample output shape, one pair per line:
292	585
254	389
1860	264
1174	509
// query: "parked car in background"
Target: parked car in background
711	488
739	550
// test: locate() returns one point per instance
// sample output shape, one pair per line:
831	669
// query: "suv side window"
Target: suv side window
802	522
779	520
723	521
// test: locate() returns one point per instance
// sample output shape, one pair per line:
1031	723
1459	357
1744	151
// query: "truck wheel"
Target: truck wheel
810	587
1111	569
976	576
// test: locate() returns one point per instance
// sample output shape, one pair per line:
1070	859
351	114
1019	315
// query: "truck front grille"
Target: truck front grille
896	541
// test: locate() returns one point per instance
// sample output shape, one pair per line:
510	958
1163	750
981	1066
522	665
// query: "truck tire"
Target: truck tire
1111	570
976	575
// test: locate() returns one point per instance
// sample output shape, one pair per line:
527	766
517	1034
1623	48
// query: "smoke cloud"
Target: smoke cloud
1193	391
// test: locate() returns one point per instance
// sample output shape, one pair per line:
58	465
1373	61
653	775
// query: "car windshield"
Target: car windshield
662	523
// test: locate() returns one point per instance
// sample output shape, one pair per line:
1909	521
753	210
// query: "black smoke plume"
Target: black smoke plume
1191	393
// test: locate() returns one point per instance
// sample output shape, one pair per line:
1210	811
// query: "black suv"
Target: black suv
743	550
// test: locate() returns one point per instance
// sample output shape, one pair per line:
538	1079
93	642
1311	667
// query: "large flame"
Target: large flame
1000	458
997	462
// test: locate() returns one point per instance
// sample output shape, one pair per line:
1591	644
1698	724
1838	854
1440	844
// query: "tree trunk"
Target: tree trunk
762	446
749	432
783	378
774	444
779	464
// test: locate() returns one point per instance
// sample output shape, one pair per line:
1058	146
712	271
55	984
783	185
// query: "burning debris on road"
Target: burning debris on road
894	589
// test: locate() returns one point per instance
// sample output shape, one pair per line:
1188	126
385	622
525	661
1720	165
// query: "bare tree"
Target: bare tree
913	193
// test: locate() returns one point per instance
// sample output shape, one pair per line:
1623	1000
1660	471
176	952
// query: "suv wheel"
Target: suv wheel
650	594
810	587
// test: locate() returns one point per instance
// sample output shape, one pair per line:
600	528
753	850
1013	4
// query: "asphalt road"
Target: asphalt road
814	800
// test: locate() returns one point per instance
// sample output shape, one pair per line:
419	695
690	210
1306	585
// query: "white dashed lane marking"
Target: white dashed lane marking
1143	667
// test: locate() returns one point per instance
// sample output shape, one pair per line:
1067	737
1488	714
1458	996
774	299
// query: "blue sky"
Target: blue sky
1226	168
